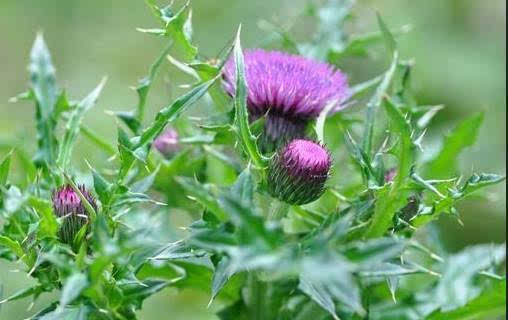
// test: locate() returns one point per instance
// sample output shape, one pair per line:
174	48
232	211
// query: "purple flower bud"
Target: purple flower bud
390	175
67	205
167	143
298	172
289	89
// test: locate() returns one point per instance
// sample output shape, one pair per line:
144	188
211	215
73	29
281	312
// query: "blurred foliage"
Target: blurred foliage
459	48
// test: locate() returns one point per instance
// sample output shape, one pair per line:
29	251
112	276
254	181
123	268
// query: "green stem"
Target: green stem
257	303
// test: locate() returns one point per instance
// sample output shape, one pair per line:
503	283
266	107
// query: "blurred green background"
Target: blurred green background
459	47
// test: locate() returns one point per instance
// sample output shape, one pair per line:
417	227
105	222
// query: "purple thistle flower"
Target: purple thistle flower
67	205
167	143
298	172
289	89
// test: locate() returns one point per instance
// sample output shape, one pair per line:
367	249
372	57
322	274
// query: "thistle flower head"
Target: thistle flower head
167	143
68	205
289	89
298	172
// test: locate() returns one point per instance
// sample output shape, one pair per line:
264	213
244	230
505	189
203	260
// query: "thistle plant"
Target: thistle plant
356	237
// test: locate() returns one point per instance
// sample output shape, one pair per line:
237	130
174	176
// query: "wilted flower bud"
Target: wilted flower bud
67	205
167	143
289	89
298	172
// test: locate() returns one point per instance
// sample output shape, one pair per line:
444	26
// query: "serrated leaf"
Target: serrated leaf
456	286
223	272
374	103
361	159
328	278
203	196
244	187
172	112
48	225
73	125
43	85
319	294
146	183
390	43
488	305
4	168
145	84
102	187
462	136
391	198
247	139
72	288
177	25
478	181
27	292
98	141
71	313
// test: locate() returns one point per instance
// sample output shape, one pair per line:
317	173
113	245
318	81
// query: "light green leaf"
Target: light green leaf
145	83
390	43
458	283
73	125
23	294
48	225
247	139
320	122
488	305
72	288
391	197
381	90
43	84
172	112
463	136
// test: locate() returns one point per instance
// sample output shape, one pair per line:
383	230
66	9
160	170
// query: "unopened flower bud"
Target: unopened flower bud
167	143
298	172
390	175
68	205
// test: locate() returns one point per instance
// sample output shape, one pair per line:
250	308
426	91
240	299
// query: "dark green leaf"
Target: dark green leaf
172	112
203	195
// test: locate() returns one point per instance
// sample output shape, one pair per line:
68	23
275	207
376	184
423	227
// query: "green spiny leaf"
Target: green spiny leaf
73	125
241	115
43	85
463	136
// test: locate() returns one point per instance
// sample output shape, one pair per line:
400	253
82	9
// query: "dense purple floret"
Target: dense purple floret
298	172
306	158
167	143
287	85
68	206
